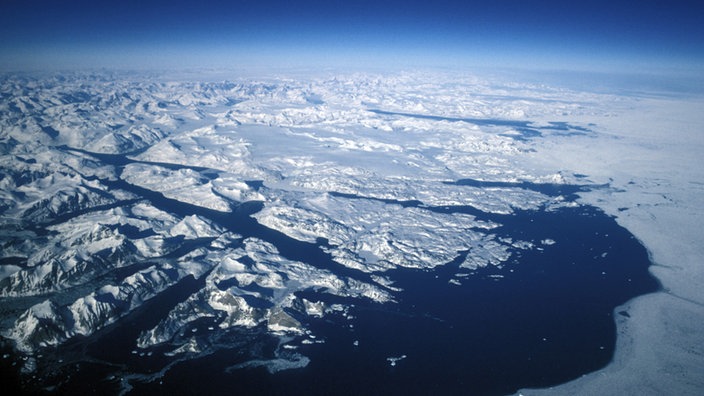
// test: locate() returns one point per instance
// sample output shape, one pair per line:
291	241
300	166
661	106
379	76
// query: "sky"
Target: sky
591	35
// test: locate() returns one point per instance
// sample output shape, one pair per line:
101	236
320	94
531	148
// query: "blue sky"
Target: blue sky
512	33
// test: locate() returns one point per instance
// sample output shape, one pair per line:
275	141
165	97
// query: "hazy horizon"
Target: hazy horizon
598	36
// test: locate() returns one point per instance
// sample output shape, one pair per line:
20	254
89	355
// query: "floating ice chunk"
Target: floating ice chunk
392	360
316	309
523	245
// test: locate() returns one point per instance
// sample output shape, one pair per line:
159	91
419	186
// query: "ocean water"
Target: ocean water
543	318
